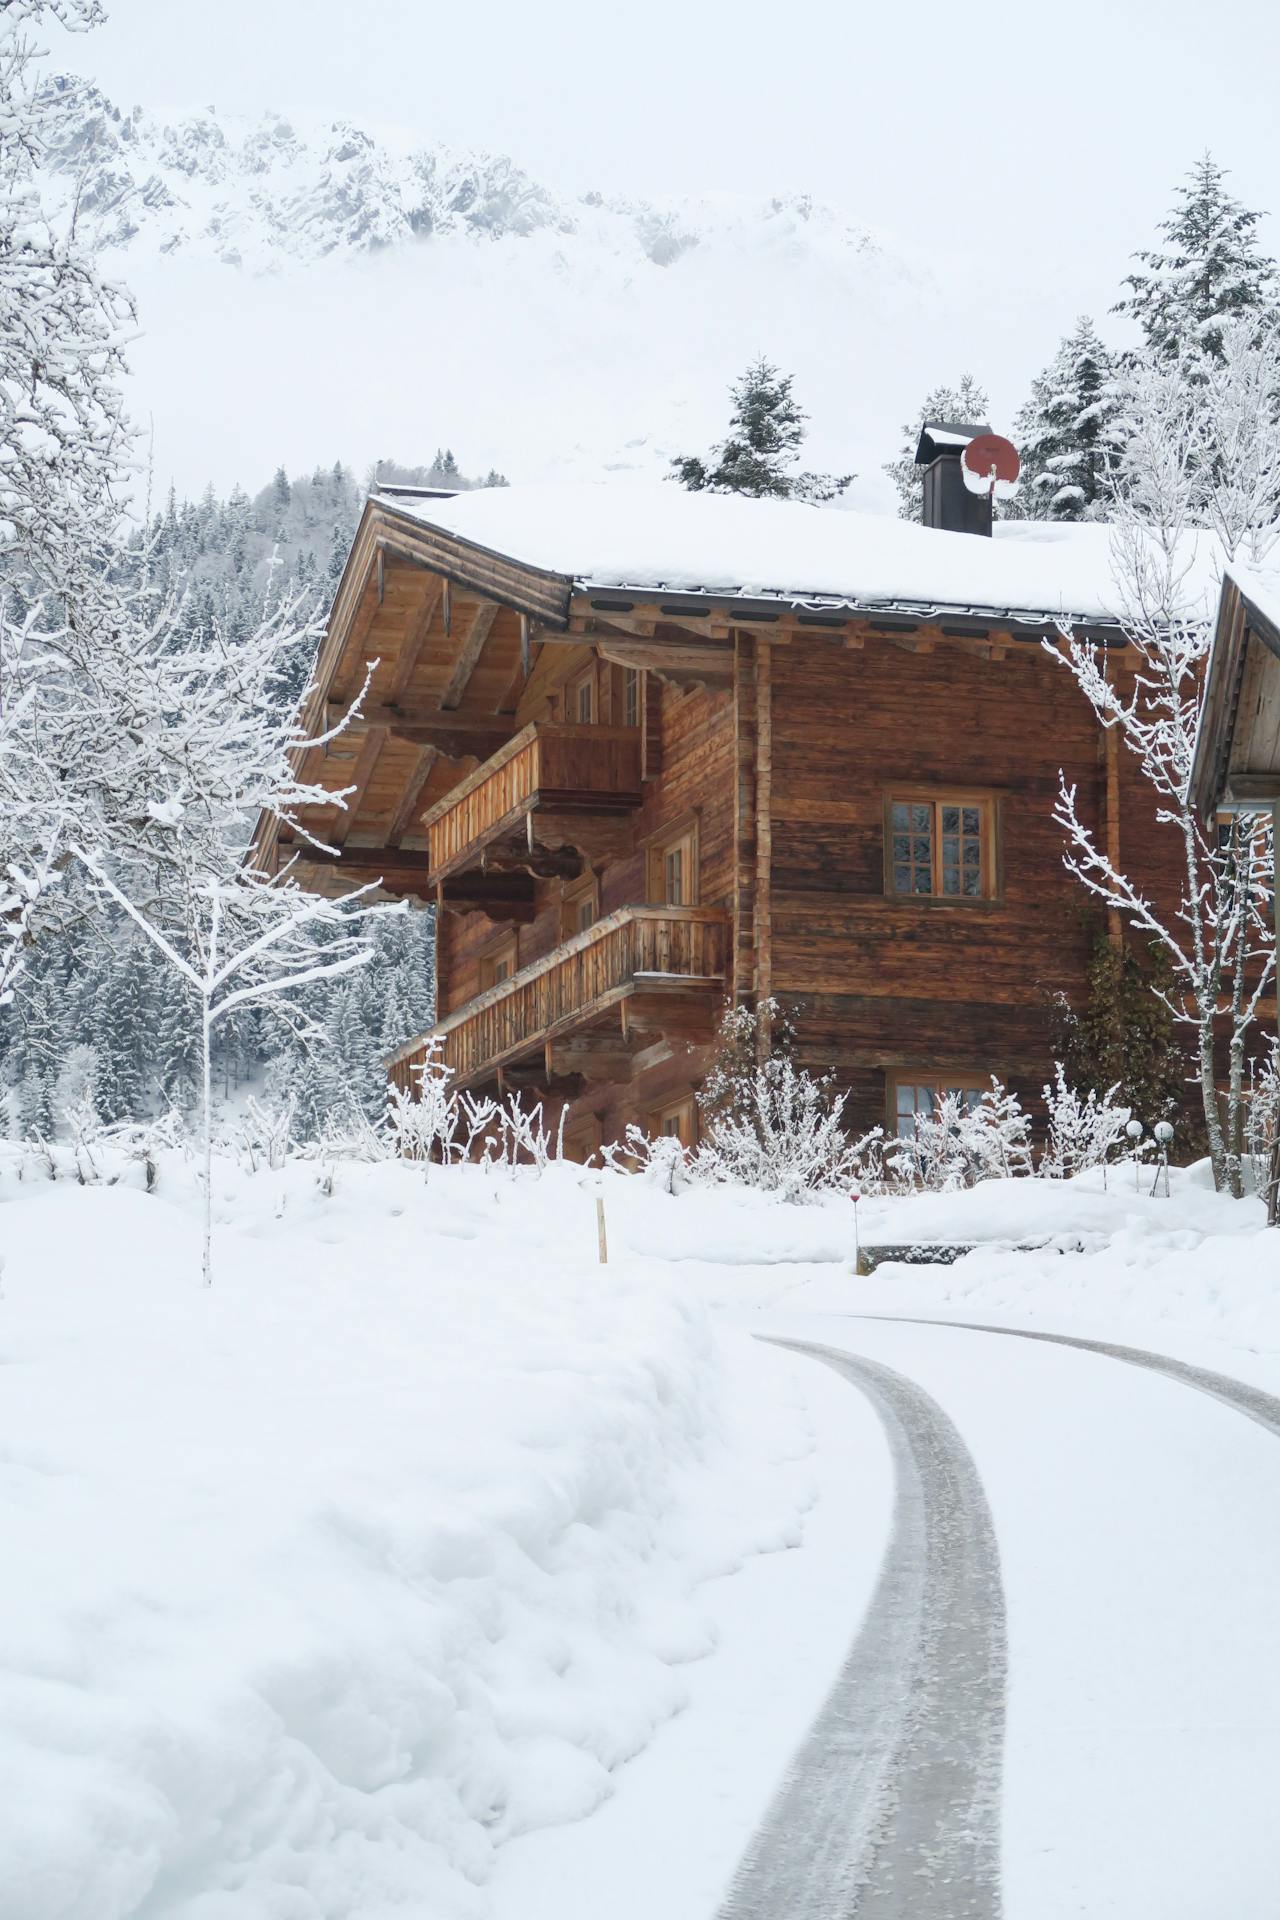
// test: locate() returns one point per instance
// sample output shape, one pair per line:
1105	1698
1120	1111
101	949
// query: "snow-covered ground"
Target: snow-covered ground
423	1565
336	1577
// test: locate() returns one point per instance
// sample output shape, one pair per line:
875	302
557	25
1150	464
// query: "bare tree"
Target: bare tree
1200	467
248	942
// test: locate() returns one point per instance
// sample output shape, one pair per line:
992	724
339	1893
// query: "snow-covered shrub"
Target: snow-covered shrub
264	1135
769	1123
441	1124
661	1160
957	1144
421	1125
1084	1129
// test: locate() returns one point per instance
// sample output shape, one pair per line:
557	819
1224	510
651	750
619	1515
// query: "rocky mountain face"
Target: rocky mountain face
267	193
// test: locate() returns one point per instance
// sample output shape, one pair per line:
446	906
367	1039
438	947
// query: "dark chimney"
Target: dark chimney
948	503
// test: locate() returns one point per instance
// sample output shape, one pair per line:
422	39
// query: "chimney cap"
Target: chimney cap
946	436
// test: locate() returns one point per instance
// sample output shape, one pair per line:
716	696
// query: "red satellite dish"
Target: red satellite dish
990	465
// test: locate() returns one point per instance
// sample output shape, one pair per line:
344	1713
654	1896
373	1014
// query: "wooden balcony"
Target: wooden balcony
639	972
550	788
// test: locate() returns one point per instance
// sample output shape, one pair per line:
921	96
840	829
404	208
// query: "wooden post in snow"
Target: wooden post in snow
600	1233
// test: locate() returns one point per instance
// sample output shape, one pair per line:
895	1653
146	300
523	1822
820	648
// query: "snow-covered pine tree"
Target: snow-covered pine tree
1069	432
1207	268
123	1043
766	432
966	402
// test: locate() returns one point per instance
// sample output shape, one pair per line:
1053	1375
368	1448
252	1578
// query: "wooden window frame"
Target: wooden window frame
1259	821
992	866
583	1136
505	947
632	682
585	677
684	1112
947	1079
572	893
685	835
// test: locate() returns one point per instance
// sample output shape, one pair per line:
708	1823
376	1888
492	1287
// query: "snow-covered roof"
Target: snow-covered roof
658	539
936	436
1260	586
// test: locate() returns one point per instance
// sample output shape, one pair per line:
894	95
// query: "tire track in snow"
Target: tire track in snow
891	1807
1254	1402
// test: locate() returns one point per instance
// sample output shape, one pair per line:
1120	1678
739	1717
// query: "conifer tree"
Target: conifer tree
1068	433
766	431
1207	268
967	404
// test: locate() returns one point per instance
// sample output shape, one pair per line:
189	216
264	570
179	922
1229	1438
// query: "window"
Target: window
917	1094
498	963
673	868
941	847
582	1139
679	1121
1242	843
581	704
631	696
579	907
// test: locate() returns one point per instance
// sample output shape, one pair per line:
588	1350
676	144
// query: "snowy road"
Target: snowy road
1136	1515
891	1807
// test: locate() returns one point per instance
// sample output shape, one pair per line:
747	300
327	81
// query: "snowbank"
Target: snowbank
1044	1250
327	1581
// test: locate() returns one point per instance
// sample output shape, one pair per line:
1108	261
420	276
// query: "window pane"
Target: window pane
902	879
901	847
973	882
901	817
951	819
972	853
971	819
674	866
921	819
906	1097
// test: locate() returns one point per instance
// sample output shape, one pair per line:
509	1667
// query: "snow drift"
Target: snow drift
383	1550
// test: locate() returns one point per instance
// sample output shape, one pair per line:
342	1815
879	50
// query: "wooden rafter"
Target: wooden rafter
367	759
412	795
345	673
414	641
468	654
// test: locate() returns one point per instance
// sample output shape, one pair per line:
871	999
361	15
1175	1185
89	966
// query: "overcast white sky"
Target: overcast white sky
1045	136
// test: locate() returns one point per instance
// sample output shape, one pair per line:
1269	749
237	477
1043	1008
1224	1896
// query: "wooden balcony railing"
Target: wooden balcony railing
560	767
663	949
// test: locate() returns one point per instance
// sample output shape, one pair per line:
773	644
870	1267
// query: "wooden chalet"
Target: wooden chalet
647	751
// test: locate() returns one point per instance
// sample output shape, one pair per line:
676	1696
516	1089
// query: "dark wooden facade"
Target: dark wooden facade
630	809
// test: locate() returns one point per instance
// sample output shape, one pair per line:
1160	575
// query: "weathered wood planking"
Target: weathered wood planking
777	743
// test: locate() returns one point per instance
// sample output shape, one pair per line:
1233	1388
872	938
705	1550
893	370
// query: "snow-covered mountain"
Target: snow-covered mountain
264	194
306	288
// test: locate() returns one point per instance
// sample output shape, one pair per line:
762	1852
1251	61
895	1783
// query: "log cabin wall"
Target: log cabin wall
880	985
